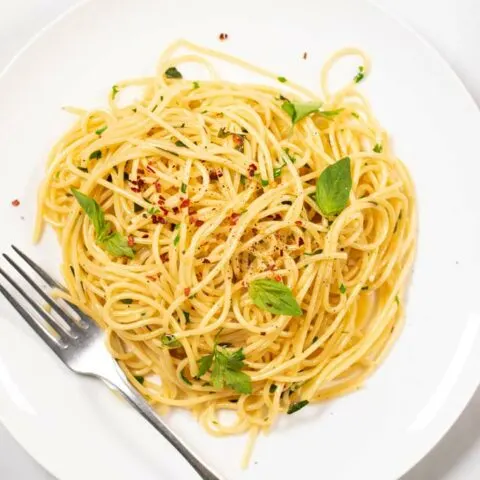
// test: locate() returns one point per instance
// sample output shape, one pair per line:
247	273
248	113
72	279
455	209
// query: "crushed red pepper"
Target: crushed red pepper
131	241
16	202
186	291
185	203
223	36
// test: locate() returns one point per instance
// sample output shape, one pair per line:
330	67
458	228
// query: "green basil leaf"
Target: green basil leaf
94	213
295	407
117	245
333	187
172	72
299	110
139	379
274	297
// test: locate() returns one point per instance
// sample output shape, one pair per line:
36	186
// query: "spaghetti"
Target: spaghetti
203	188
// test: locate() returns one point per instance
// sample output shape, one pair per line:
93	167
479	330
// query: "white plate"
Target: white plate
78	429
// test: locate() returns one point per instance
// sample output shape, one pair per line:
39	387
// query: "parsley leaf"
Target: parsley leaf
179	143
99	131
172	72
196	85
113	242
95	155
183	188
264	182
360	74
343	288
274	297
204	365
176	240
295	407
139	379
281	79
273	388
187	316
329	114
170	341
378	148
333	187
115	90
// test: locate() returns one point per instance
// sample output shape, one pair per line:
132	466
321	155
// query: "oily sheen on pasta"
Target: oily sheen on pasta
245	247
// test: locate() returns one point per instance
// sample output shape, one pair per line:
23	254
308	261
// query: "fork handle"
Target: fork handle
139	403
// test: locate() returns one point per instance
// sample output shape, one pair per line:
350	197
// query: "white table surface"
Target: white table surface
453	27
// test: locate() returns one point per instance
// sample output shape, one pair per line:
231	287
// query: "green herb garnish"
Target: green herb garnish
298	111
264	182
273	388
196	85
274	297
295	407
172	72
101	130
176	240
333	187
378	148
95	155
243	179
127	301
170	341
83	169
360	74
154	108
184	378
139	379
281	79
316	252
137	208
397	299
343	288
179	143
113	242
115	90
183	188
187	316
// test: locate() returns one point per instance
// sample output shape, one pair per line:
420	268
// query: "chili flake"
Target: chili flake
185	203
16	202
186	291
223	36
131	241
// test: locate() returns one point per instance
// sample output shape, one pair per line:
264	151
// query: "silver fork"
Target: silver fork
80	345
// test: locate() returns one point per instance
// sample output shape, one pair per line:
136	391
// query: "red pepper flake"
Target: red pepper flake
215	174
185	203
164	257
300	241
193	219
186	291
136	190
304	55
277	216
141	171
206	260
158	187
254	230
234	218
131	241
164	210
252	169
151	170
176	210
278	278
199	223
158	219
153	278
237	139
146	235
271	267
161	200
16	202
299	223
223	36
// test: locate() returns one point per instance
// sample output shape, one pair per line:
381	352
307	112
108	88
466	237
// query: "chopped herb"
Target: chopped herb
281	79
343	288
378	148
186	315
134	110
365	288
329	114
172	72
183	188
154	108
115	90
316	252
397	299
360	74
274	297
333	187
139	379
315	338
95	155
184	378
83	169
153	211
295	407
355	114
170	341
289	155
222	133
277	171
243	179
273	388
137	208
127	301
176	240
114	243
101	130
196	85
179	143
264	182
204	365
